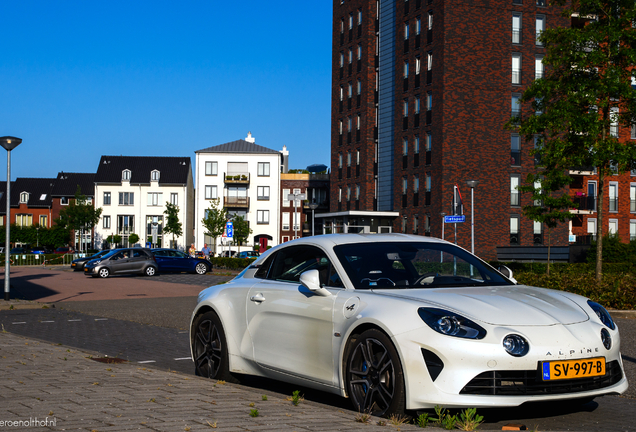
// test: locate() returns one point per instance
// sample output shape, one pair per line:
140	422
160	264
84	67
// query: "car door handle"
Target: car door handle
257	298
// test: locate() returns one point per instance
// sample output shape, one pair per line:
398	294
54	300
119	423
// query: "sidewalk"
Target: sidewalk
64	386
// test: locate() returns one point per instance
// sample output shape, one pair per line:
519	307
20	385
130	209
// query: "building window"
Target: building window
174	199
262	192
429	61
632	230
516	106
405	185
44	220
339	194
538	67
341	59
359	52
429	101
125	225
211	168
106	198
614	122
405	146
632	198
428	182
539	28
126	198
211	192
285	221
339	160
430	20
24	197
516	28
429	141
263	169
24	220
613	227
418	25
262	217
126	174
416	144
613	196
514	230
359	16
514	191
515	150
63	201
406	30
348	193
286	192
154	175
106	220
415	225
350	55
348	159
516	68
357	192
155	198
405	107
359	87
416	183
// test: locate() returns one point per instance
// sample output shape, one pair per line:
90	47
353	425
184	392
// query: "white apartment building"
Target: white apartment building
245	178
133	191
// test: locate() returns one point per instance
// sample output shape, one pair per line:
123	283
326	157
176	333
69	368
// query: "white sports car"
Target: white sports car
401	322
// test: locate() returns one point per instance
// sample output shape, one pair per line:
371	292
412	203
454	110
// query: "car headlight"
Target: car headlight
451	324
602	314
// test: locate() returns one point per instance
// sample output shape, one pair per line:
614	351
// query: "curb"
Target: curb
24	304
627	314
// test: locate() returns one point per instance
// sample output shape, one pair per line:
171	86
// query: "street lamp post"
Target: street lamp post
472	184
313	206
443	214
9	143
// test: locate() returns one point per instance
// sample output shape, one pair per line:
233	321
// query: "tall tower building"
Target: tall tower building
421	90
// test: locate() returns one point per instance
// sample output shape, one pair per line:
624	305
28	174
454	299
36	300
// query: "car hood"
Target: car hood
500	305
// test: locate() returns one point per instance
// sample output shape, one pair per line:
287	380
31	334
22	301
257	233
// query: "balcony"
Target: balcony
236	202
237	178
584	204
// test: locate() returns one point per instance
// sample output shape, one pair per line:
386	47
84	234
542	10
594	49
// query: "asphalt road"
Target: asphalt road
152	331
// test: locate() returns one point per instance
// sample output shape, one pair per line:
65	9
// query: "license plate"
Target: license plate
571	369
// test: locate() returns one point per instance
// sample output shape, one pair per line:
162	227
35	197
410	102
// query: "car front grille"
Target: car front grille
529	382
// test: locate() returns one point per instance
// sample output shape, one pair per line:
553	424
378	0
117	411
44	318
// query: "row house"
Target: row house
244	178
133	192
63	194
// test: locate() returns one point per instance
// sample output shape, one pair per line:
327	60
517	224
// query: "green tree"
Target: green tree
114	239
214	220
132	239
242	230
585	94
173	225
80	215
550	201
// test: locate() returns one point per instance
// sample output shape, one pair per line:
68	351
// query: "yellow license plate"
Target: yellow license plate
571	369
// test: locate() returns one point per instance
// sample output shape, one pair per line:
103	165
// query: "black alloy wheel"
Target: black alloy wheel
210	349
374	377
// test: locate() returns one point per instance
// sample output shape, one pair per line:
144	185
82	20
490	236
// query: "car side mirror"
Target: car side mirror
311	280
507	273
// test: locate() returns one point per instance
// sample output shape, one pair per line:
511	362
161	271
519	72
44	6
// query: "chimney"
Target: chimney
250	138
284	166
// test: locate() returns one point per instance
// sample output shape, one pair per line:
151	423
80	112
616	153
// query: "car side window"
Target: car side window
137	254
263	268
291	262
118	256
180	254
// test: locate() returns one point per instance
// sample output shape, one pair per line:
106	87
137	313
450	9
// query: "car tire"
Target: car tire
150	271
201	268
103	272
209	346
374	377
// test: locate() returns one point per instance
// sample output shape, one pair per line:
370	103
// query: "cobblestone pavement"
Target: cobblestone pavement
44	382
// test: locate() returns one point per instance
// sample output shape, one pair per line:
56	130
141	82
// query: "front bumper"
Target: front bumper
479	373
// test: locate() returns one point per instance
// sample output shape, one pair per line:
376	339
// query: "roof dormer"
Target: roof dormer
126	174
24	197
154	176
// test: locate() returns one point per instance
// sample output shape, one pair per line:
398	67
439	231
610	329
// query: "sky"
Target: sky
82	79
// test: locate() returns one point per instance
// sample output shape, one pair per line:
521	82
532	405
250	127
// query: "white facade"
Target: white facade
245	178
128	209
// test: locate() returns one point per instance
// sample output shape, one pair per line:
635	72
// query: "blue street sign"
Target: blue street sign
229	228
455	219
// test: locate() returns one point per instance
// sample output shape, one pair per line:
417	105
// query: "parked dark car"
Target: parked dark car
248	254
18	251
122	261
41	250
63	250
170	260
78	264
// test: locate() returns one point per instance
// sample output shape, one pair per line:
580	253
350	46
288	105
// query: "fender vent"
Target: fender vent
433	363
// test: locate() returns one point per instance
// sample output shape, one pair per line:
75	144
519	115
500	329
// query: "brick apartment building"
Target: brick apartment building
297	222
421	90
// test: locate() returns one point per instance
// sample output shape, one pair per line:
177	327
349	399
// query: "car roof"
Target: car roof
330	240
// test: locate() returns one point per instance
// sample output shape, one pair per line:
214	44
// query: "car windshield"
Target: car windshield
110	253
414	265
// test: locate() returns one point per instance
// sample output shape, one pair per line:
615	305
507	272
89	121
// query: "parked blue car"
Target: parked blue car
170	260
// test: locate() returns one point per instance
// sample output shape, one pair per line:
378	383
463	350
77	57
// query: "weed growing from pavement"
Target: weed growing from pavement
212	425
444	419
264	397
421	420
296	398
252	404
469	420
220	382
3	330
254	413
363	418
397	420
